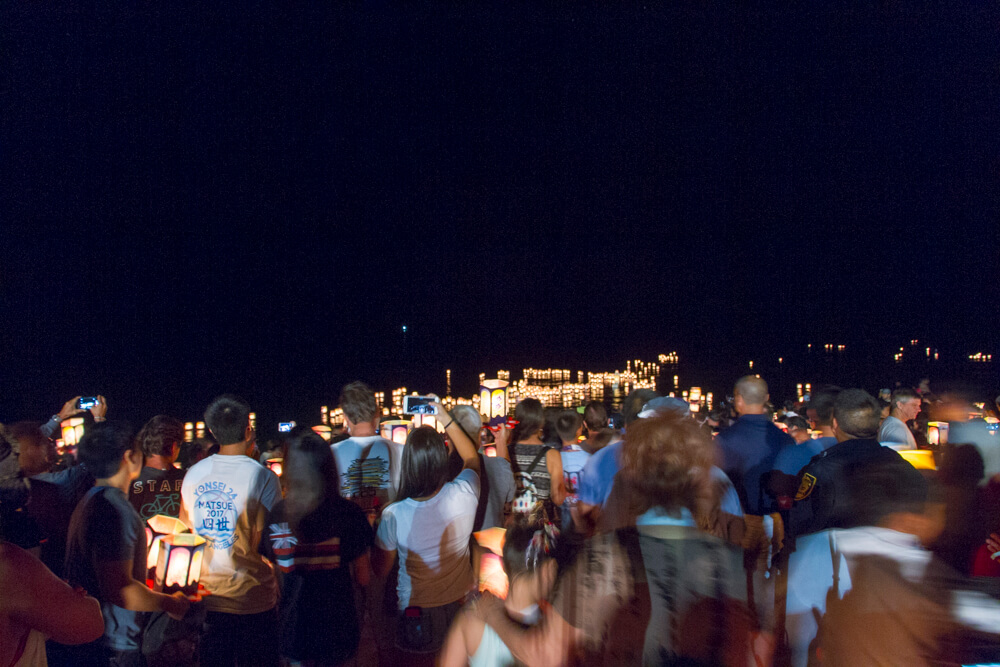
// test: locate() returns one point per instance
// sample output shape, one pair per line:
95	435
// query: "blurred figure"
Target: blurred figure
965	428
529	562
697	585
598	475
904	607
320	544
905	407
36	605
830	495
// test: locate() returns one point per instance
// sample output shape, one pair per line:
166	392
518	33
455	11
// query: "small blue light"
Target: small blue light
404	328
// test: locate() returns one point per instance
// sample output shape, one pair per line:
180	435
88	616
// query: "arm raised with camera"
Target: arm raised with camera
463	445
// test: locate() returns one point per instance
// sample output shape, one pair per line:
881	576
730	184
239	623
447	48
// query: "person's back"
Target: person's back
364	467
369	465
225	499
750	446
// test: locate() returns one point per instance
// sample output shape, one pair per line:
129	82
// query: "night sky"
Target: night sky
198	200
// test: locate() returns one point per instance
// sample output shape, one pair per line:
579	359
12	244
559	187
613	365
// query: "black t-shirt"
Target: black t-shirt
317	611
105	528
157	492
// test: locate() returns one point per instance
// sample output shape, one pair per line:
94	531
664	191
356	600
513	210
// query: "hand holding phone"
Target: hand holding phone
86	402
420	405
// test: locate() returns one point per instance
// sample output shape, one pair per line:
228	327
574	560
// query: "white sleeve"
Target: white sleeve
385	537
270	492
468	481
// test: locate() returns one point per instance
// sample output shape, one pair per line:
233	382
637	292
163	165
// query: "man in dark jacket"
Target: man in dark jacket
830	494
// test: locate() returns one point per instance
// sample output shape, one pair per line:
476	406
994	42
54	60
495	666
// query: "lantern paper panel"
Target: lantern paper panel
178	567
156	527
396	430
493	400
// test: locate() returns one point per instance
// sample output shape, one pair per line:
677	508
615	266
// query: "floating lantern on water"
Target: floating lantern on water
178	567
158	527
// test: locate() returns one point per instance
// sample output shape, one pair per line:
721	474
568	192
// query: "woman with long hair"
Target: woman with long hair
532	460
429	527
320	544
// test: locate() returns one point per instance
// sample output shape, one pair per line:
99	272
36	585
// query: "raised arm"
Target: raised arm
463	445
501	440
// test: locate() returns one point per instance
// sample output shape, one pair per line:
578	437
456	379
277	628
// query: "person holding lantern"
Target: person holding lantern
106	551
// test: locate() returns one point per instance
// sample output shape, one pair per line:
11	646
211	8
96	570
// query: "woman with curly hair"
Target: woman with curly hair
696	582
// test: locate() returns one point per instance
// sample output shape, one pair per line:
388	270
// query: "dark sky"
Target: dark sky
255	200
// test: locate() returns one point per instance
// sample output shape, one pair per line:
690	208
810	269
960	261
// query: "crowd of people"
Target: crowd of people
793	535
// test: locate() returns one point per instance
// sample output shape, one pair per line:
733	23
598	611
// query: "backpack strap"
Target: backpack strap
534	464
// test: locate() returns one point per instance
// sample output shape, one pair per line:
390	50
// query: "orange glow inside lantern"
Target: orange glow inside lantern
72	431
937	433
276	465
156	528
323	430
492	578
396	430
178	567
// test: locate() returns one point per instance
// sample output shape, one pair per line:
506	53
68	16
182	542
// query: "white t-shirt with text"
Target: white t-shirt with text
226	499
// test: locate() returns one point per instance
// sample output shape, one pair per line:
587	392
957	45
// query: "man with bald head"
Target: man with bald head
748	447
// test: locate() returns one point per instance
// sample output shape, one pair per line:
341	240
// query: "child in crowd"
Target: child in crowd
528	560
569	426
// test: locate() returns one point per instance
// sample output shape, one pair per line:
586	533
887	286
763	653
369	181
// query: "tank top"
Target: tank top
524	455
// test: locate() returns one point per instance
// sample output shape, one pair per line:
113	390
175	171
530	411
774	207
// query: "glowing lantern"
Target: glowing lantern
921	459
937	433
72	430
493	400
492	577
428	420
178	567
323	431
158	527
396	430
275	465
